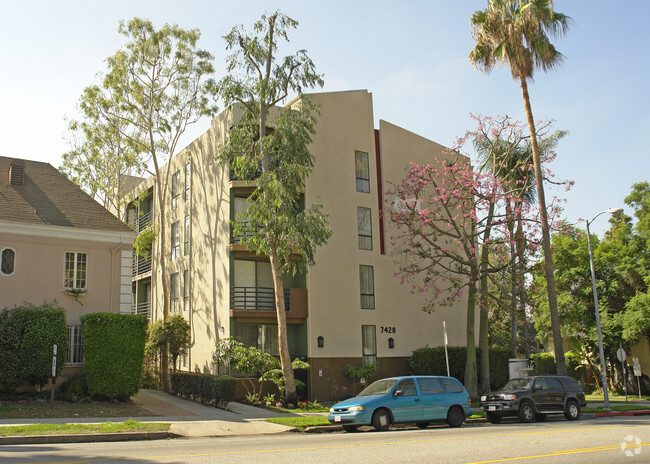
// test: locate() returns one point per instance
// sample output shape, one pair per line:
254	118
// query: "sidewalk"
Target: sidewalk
187	418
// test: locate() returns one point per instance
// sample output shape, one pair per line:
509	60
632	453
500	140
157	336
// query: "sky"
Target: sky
412	55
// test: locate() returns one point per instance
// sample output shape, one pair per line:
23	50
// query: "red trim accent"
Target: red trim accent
380	196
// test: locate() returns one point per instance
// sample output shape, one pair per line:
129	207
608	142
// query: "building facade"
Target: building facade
57	244
346	309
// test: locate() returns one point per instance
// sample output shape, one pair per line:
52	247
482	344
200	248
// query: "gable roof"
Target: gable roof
47	197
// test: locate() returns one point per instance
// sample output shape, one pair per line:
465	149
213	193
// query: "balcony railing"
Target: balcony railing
141	265
238	238
142	308
143	221
257	298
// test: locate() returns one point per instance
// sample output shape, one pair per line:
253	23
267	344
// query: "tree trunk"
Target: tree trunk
560	362
283	344
483	335
470	364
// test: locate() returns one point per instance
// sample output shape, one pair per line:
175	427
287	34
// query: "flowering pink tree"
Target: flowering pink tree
454	226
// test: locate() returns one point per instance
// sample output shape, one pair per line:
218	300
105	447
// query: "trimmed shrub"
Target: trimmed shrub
27	335
209	389
113	353
74	389
431	361
544	363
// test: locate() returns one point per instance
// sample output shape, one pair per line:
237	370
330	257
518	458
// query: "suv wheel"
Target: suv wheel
572	411
526	412
493	417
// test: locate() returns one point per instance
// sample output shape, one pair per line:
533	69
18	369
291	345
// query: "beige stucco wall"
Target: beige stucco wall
38	275
346	124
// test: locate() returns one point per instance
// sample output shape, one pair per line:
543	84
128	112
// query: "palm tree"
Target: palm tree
516	33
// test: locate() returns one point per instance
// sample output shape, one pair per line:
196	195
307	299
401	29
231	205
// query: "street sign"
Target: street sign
620	354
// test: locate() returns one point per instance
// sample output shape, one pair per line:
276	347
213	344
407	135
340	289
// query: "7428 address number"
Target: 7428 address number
388	330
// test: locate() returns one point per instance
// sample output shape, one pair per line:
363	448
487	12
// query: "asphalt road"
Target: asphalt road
603	440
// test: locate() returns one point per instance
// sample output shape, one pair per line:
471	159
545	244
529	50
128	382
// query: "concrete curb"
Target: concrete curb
640	412
85	438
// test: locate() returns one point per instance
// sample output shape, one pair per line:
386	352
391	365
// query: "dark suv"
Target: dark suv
532	398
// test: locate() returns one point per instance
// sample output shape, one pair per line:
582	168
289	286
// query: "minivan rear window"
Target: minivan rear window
452	385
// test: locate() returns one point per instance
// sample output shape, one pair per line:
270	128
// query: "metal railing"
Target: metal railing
257	298
141	265
142	308
245	236
143	221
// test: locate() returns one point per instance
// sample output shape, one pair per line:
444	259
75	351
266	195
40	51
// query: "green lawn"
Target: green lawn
74	429
300	422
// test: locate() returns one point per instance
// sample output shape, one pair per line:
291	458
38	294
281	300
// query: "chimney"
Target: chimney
17	172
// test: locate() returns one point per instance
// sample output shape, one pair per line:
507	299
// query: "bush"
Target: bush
27	334
431	361
113	353
544	363
209	389
74	389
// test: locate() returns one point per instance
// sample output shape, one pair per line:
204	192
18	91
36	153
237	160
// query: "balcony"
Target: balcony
141	265
142	308
143	221
259	303
237	239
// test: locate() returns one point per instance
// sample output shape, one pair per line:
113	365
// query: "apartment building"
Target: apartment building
349	307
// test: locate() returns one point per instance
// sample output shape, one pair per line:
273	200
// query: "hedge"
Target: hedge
431	361
216	389
27	335
113	353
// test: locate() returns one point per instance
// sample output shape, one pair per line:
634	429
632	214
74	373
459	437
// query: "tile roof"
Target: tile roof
48	197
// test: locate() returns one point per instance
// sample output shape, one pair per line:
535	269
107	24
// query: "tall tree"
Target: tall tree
100	158
154	88
516	33
269	146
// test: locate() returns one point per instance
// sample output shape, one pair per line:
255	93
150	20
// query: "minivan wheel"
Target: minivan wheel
526	412
381	420
493	417
572	411
455	416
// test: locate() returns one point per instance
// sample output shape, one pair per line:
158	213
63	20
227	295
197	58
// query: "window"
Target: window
74	273
186	236
176	178
188	181
176	240
174	292
186	290
430	386
407	386
369	343
75	354
364	221
8	261
362	171
261	336
452	385
367	284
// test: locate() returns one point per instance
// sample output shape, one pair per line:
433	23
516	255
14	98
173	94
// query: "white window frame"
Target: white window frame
175	240
369	345
75	271
2	254
369	301
365	237
362	160
176	179
174	291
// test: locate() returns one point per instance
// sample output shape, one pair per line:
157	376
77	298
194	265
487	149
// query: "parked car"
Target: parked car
532	398
418	399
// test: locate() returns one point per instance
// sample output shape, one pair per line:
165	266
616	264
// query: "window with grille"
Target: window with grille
176	240
367	284
364	221
174	292
186	290
75	354
75	269
369	343
8	261
176	188
188	181
362	171
186	236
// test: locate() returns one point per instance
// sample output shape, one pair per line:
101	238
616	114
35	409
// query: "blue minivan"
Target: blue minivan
421	399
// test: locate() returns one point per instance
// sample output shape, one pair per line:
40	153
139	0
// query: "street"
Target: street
603	440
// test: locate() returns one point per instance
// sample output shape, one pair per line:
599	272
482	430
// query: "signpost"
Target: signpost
54	350
637	374
620	354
